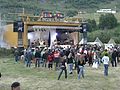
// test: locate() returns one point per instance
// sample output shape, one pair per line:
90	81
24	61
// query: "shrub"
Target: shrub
6	52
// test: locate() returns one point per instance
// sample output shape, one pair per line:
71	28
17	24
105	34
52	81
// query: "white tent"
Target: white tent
110	44
93	43
111	41
107	46
82	41
97	40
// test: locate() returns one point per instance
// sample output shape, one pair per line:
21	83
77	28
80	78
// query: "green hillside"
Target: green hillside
68	7
106	35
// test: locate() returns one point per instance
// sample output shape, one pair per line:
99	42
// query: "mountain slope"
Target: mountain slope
69	7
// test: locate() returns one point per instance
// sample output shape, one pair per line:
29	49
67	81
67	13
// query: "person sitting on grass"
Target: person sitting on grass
15	86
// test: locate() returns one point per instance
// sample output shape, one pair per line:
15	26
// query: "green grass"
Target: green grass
43	79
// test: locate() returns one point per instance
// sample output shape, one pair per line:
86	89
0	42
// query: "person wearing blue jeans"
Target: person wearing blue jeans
37	62
81	63
106	69
81	72
105	61
70	68
70	63
63	67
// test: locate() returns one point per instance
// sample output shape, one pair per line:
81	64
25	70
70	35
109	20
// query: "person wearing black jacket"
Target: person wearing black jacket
28	58
37	57
63	67
17	55
114	56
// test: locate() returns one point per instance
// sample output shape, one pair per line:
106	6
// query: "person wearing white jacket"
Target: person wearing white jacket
105	60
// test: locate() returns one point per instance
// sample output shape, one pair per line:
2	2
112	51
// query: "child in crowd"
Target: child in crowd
50	61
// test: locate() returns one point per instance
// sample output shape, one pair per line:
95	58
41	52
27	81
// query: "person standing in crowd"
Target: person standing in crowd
16	54
29	58
104	52
90	57
95	60
25	58
63	67
81	63
105	60
44	57
118	54
37	57
114	57
76	59
56	59
15	86
50	61
70	63
33	54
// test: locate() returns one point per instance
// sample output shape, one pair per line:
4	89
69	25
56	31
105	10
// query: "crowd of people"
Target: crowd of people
71	58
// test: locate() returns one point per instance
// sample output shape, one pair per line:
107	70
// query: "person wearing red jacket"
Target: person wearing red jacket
50	61
56	55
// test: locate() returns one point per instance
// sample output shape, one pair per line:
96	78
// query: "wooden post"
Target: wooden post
25	35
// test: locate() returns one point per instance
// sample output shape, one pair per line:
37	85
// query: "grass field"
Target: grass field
43	79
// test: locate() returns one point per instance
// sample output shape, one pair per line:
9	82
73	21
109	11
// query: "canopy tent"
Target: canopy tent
107	46
97	40
94	43
110	44
82	41
111	41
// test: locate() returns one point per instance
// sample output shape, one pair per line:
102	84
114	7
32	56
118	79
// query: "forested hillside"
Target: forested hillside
66	6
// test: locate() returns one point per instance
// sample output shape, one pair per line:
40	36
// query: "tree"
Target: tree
107	21
92	25
71	13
